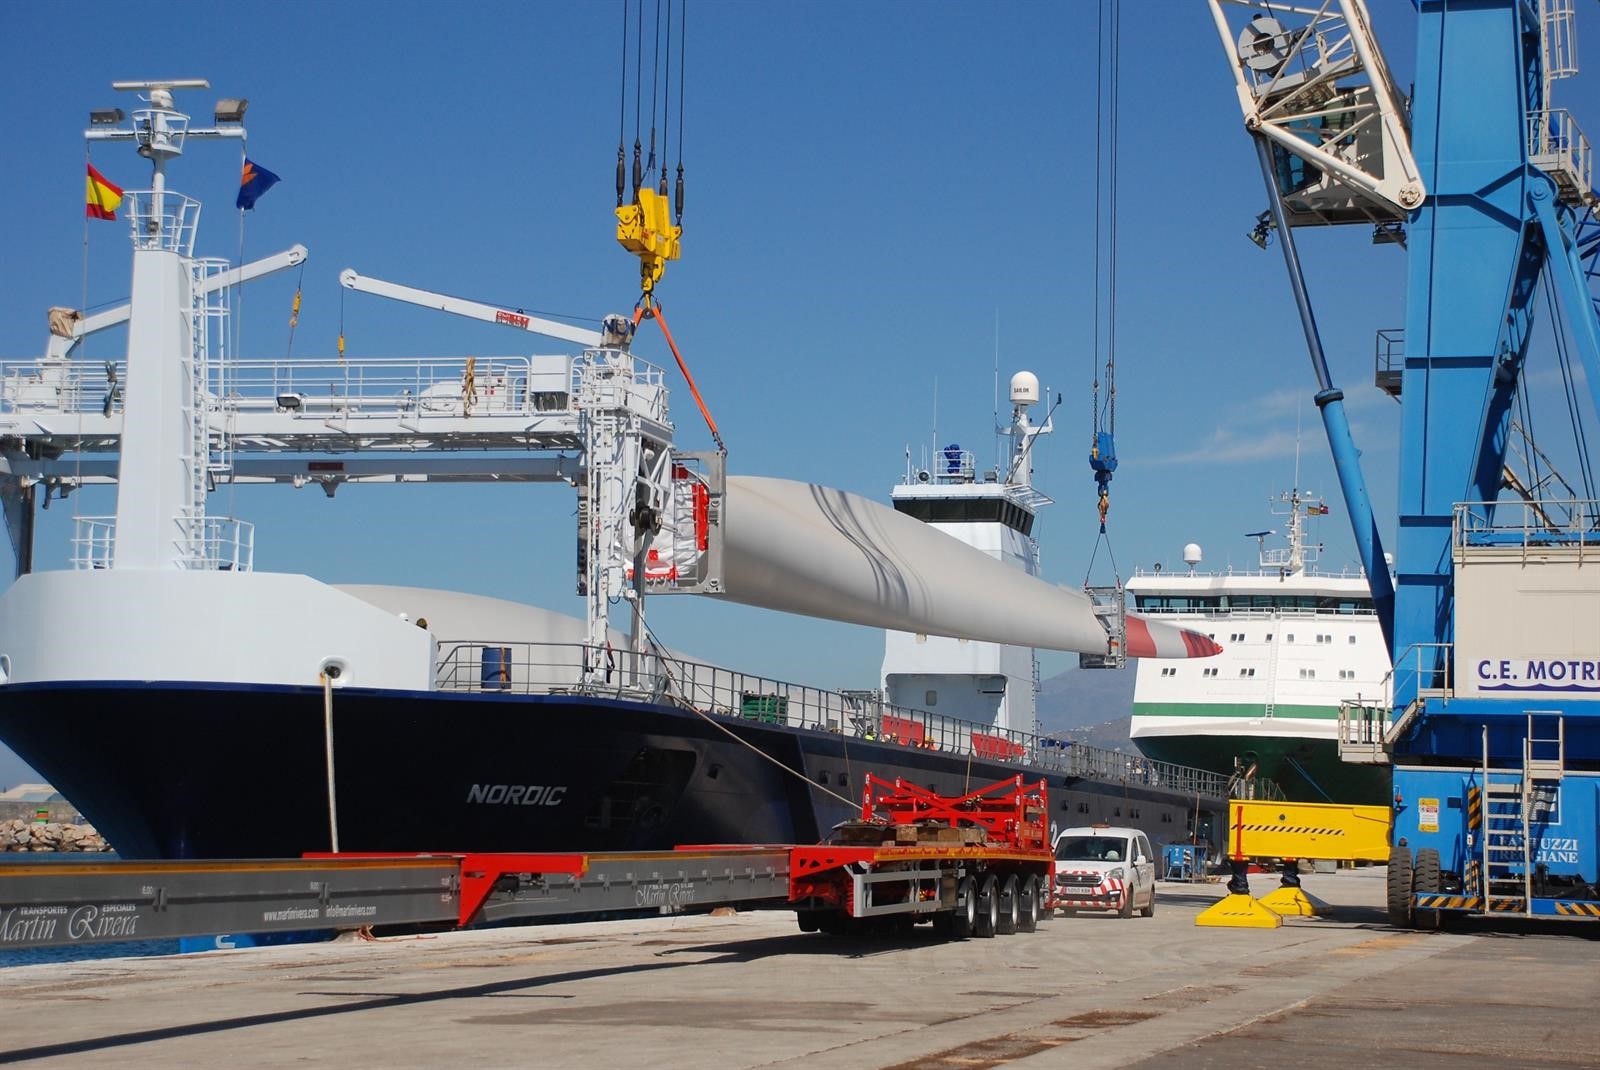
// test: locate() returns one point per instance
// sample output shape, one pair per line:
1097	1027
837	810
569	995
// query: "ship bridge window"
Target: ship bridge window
968	511
1177	603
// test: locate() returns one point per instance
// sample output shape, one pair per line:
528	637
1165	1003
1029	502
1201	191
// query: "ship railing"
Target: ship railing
162	220
94	542
221	543
416	388
955	465
216	543
387	387
728	696
1256	613
59	385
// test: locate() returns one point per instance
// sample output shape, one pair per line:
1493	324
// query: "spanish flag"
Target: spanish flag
103	196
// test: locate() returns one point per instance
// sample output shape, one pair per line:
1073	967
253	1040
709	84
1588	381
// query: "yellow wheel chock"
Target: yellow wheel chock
1292	902
1239	911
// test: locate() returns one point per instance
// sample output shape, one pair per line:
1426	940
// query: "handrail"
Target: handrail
560	668
358	387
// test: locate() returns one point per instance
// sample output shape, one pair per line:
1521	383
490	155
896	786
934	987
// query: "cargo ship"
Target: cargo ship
221	711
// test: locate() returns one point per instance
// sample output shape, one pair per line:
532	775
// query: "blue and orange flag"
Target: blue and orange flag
255	181
103	196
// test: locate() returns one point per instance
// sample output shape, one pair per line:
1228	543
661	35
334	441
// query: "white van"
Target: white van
1105	867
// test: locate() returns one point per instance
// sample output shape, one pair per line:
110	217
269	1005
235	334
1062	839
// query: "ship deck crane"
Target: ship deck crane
1492	725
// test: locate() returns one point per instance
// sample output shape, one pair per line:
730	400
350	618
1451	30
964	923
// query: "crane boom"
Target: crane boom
59	345
460	306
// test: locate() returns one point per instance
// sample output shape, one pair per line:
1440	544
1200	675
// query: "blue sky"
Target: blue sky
869	187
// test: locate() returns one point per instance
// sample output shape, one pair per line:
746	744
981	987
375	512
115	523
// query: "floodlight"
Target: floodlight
230	110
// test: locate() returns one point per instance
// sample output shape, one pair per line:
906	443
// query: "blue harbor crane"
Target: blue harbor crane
1492	721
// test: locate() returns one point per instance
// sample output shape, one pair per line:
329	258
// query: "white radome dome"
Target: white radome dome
1192	554
1024	388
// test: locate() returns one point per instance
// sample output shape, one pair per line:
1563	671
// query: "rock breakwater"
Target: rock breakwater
19	835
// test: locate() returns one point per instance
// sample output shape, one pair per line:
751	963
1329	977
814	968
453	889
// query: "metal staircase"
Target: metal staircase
1511	809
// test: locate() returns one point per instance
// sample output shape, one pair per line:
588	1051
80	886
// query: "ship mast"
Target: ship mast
166	441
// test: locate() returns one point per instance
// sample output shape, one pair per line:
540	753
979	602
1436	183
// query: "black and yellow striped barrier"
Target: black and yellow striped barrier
1331	831
1578	910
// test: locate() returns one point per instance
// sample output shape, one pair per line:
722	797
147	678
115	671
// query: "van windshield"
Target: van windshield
1092	849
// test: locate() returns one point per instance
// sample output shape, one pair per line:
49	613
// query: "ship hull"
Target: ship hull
1308	770
195	771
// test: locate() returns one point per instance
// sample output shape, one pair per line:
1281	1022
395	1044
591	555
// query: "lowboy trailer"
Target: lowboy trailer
976	865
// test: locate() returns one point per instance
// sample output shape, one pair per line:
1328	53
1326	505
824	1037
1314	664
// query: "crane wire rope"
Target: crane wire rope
666	108
683	33
694	708
1108	67
622	110
638	95
655	87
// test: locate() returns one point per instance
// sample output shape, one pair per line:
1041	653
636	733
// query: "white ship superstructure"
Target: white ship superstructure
1296	643
993	511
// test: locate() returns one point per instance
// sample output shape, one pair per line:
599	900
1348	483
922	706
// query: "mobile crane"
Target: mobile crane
1492	727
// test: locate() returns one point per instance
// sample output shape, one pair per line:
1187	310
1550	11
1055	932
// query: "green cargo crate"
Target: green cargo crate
768	709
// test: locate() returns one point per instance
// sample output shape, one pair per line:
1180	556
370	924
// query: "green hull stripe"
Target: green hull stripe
1245	710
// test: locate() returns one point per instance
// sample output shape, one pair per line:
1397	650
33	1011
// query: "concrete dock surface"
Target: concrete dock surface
750	990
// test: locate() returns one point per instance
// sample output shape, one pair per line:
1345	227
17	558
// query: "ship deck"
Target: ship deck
750	990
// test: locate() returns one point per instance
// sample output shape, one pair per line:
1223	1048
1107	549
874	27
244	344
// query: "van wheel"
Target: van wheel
1127	902
1149	910
1028	906
964	922
988	922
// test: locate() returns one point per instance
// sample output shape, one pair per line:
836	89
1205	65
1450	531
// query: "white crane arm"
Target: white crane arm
293	256
471	309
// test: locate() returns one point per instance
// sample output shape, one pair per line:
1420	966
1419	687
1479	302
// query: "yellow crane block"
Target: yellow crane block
645	229
1331	831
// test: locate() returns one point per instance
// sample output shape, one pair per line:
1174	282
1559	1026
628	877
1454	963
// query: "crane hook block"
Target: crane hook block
1103	457
645	229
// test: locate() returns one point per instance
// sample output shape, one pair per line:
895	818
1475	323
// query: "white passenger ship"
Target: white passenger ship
1296	642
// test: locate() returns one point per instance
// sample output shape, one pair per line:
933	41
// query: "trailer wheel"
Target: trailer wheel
1028	906
808	921
1425	879
1009	908
988	908
964	922
1399	887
